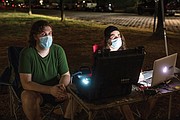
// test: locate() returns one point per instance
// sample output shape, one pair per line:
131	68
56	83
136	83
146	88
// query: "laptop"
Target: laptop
163	69
113	74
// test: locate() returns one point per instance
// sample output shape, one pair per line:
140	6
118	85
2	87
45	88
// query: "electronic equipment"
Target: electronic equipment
163	69
112	76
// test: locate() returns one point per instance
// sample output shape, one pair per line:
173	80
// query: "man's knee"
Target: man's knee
30	97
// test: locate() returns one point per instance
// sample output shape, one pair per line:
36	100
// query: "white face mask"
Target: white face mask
115	44
46	42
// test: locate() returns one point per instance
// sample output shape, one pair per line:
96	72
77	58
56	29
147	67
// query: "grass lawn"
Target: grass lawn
77	38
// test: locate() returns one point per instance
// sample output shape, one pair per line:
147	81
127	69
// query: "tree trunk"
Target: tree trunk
15	5
30	11
62	10
161	28
160	23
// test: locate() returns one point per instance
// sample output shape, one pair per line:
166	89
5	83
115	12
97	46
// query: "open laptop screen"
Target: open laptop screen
163	69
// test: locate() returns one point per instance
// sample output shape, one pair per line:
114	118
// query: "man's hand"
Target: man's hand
59	92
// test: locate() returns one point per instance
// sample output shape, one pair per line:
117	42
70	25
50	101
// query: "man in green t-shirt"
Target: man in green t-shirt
43	70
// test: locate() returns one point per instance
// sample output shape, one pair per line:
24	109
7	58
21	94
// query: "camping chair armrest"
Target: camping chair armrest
5	77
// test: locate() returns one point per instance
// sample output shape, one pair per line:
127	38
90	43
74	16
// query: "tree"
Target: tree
160	22
62	9
30	11
161	28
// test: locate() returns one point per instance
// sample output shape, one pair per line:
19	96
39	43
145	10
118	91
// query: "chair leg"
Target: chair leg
61	110
137	112
51	111
10	101
13	104
14	108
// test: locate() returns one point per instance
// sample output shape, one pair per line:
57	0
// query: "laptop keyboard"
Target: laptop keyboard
146	78
147	74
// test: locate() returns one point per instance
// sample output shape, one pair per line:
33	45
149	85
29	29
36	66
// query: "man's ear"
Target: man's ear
35	37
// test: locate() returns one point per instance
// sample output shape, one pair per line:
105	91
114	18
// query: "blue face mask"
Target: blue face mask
116	44
46	42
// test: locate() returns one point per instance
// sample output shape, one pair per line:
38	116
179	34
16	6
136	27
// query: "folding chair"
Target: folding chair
10	77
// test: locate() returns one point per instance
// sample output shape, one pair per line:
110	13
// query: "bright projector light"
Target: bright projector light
85	81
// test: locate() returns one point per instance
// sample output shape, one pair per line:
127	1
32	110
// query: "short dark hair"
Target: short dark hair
37	28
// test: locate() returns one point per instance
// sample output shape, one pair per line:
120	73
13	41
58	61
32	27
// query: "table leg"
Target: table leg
90	115
72	108
169	110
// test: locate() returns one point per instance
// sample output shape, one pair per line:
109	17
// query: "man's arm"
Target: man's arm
28	84
65	79
55	90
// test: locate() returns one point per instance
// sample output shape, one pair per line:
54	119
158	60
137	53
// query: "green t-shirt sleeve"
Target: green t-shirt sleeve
62	61
24	62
